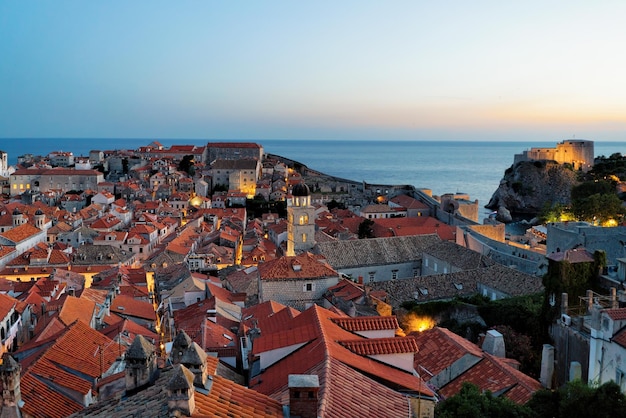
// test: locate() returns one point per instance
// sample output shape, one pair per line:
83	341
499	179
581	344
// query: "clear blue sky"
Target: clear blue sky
475	70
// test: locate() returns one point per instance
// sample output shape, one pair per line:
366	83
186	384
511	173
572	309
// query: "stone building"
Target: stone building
59	179
240	175
578	152
234	151
296	281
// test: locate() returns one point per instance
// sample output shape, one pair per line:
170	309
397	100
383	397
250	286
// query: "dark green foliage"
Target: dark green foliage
333	204
187	165
470	402
573	279
598	208
220	188
576	399
258	206
365	229
605	167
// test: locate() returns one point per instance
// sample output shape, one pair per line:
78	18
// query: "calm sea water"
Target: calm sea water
475	168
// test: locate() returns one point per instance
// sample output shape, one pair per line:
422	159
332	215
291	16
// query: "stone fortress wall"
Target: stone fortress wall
578	152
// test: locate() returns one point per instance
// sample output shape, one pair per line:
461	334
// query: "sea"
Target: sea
470	167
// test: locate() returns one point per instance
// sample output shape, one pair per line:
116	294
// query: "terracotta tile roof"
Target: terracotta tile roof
46	370
77	309
408	202
128	306
325	346
620	337
20	233
367	323
40	400
79	349
616	314
576	255
7	303
284	338
374	346
303	266
439	348
494	375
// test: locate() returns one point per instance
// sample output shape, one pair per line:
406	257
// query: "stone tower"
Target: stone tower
40	219
141	364
10	374
301	221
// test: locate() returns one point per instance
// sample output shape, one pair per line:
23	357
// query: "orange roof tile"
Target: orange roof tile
618	314
367	323
374	346
303	266
40	400
21	233
439	348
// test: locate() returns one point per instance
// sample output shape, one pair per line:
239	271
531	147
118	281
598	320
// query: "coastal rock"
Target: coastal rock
504	215
528	185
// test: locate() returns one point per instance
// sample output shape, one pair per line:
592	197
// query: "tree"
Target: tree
365	229
470	402
576	399
187	165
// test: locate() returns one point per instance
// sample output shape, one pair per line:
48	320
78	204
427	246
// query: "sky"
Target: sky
368	70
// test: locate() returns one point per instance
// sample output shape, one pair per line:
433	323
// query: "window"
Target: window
435	267
426	262
304	219
303	237
371	276
416	272
309	287
394	274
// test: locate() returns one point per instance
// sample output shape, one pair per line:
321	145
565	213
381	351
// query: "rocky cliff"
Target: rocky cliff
528	185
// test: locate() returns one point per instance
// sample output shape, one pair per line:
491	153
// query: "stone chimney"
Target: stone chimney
10	374
141	364
494	343
547	366
181	343
181	401
303	395
194	359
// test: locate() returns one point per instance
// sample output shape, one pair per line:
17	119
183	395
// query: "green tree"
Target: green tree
576	399
470	402
365	229
187	165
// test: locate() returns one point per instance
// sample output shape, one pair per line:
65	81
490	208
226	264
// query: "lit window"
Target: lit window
303	237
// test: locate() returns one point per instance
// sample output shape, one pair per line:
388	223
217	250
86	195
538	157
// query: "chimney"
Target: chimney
141	364
303	395
180	393
547	366
10	375
564	303
614	303
494	343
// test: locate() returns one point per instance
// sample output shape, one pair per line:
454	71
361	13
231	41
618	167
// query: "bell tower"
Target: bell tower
301	221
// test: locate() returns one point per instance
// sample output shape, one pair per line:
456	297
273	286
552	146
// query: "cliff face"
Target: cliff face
528	185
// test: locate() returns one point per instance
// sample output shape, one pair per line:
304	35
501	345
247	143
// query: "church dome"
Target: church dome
17	212
300	189
39	212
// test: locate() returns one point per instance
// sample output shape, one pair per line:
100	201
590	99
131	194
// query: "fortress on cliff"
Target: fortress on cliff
577	152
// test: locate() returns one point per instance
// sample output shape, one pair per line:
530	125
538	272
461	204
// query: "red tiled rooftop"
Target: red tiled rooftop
367	323
374	346
616	314
303	266
439	348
